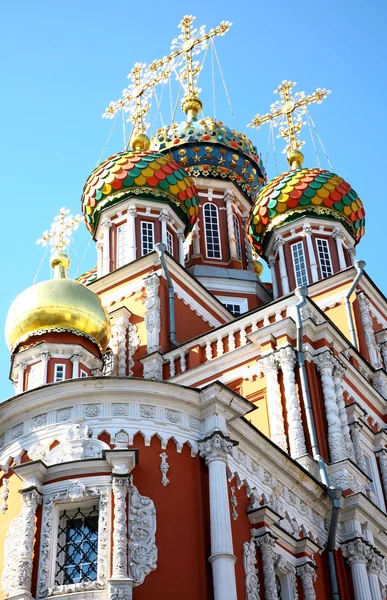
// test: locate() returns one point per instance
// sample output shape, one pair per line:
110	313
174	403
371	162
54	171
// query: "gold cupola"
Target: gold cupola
57	305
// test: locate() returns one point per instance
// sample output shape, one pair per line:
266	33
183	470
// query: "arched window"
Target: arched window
237	236
211	228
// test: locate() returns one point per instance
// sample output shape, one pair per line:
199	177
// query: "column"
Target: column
307	574
374	568
249	251
152	313
307	229
106	225
368	328
355	429
164	218
279	245
268	365
21	368
357	553
338	235
75	359
287	361
266	544
271	263
229	199
338	375
99	259
352	254
121	327
120	528
196	240
214	450
23	567
337	448
181	238
382	456
131	221
383	350
44	357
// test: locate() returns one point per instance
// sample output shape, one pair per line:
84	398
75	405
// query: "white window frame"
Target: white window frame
324	241
301	244
217	229
121	244
241	302
150	226
34	382
237	235
56	380
83	373
373	473
169	242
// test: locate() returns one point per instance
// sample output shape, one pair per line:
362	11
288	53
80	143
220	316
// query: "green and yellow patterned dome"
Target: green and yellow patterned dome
145	173
301	192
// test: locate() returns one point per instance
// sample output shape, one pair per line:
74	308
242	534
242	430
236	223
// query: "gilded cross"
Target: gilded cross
58	237
288	112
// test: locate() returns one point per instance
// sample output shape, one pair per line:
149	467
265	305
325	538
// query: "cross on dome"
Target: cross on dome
59	235
287	113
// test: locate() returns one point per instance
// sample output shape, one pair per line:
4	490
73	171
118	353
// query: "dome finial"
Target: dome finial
60	263
139	142
191	105
295	159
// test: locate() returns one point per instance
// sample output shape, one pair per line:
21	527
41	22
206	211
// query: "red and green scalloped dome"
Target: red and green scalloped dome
304	191
141	173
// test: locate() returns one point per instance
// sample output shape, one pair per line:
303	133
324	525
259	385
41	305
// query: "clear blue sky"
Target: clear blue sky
63	61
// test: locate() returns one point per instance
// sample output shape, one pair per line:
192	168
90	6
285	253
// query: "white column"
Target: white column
352	253
357	553
164	218
271	263
99	259
279	245
121	327
338	235
215	450
287	361
368	328
44	357
152	313
382	456
355	429
268	365
21	368
106	225
338	375
229	199
252	586
120	529
266	544
374	568
337	448
131	221
307	574
196	240
75	359
181	238
307	228
249	251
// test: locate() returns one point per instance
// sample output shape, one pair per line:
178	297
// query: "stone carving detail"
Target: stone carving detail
45	587
338	375
266	544
325	363
4	496
215	448
355	429
290	570
38	421
122	592
142	537
251	572
17	571
287	361
120	537
17	431
194	423
2	441
79	445
120	331
64	414
152	312
133	344
172	415
307	574
153	369
121	440
380	383
120	410
269	366
234	504
92	410
164	468
368	328
382	456
356	551
147	412
37	451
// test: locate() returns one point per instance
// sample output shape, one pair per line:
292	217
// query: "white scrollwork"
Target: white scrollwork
142	536
267	544
269	366
164	468
369	333
4	496
234	504
356	551
287	361
120	529
152	312
215	447
382	456
307	574
251	572
122	592
355	429
338	375
153	369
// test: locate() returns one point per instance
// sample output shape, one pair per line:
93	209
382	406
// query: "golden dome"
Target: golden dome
57	305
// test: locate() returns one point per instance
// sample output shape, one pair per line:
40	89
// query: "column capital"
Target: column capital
307	229
21	366
271	261
132	210
163	216
45	355
324	360
337	234
228	197
375	562
278	243
106	224
152	284
181	235
286	357
339	370
266	543
99	245
216	447
356	551
76	357
268	363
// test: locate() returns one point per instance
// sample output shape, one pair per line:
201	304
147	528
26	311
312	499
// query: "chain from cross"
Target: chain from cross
190	42
288	112
59	235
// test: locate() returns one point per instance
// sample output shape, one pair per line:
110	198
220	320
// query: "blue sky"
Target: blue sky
64	61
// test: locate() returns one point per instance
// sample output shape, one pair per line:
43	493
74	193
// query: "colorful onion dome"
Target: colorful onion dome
142	173
57	305
300	192
208	148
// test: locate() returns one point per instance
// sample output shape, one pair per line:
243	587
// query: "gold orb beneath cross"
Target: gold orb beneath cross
139	141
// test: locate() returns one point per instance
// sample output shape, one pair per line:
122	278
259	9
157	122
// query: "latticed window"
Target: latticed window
299	264
237	235
211	228
147	237
59	372
324	257
235	309
169	243
121	245
77	549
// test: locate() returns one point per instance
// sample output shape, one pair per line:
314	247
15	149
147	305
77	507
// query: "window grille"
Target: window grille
169	243
59	372
324	257
237	235
299	264
77	548
235	309
121	245
147	237
211	228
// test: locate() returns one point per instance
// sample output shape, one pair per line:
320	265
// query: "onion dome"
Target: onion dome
57	305
142	172
300	192
208	148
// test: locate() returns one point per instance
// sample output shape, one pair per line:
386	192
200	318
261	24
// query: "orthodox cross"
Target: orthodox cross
189	43
58	237
288	113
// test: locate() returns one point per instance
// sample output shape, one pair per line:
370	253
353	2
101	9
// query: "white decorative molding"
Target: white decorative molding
287	361
268	365
142	535
4	493
307	574
120	528
133	344
369	333
152	312
267	544
164	468
234	504
252	586
79	445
